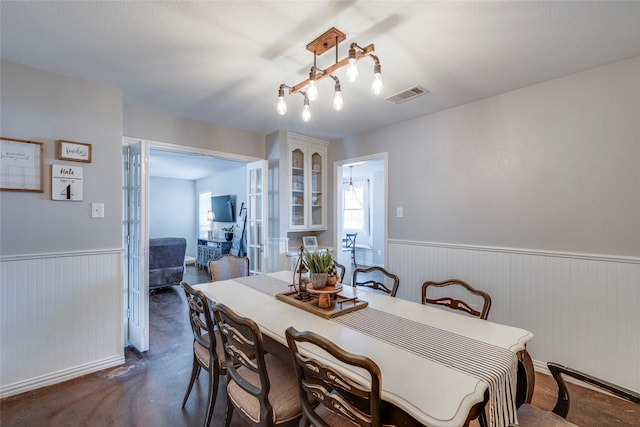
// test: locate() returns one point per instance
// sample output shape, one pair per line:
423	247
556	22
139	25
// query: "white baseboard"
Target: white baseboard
60	376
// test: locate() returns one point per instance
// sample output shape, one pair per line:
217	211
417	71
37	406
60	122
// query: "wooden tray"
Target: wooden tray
343	304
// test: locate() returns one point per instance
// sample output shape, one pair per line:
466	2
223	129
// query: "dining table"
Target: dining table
439	368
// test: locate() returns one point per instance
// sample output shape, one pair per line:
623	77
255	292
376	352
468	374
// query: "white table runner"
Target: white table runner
266	284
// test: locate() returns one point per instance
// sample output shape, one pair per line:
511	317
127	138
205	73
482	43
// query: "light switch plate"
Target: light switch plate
399	212
97	210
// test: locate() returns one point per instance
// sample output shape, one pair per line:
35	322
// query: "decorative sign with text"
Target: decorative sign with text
66	182
75	151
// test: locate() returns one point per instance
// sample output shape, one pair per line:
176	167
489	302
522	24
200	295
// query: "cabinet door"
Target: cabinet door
317	196
298	161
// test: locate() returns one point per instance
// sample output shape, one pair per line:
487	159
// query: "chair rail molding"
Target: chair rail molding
581	308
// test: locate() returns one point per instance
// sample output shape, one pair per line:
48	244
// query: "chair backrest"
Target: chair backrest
350	240
376	278
201	320
329	387
166	261
563	402
453	293
243	347
340	269
228	267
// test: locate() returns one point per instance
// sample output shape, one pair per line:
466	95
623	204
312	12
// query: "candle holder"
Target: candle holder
301	289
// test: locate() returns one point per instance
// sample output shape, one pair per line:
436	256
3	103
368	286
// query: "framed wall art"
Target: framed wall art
21	164
310	242
74	151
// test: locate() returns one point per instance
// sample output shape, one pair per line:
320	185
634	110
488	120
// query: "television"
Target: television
222	207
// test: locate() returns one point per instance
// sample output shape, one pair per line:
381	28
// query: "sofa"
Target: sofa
166	261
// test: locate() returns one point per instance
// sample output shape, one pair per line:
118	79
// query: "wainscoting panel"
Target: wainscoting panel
61	317
583	309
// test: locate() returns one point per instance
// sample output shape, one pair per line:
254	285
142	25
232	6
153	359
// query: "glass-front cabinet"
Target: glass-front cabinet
307	183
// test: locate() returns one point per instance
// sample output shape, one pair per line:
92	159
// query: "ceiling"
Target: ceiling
223	61
168	164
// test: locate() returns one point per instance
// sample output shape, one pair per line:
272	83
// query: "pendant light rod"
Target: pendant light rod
366	51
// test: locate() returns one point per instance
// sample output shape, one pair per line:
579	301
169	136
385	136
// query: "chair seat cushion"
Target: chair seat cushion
530	416
283	395
203	354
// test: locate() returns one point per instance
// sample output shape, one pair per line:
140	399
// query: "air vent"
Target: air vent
408	94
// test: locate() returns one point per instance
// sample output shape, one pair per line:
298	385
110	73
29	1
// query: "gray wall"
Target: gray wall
173	210
554	166
161	127
232	182
41	106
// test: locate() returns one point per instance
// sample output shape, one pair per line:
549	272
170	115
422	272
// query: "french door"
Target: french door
137	319
257	216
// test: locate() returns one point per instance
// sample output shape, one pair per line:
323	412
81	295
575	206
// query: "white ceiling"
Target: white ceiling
167	164
222	61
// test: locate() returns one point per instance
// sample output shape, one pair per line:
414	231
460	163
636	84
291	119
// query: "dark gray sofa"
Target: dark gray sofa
166	261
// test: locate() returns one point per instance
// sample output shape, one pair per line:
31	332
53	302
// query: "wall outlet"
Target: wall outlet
399	212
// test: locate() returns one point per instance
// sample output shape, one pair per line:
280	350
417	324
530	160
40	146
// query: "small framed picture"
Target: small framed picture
310	242
75	151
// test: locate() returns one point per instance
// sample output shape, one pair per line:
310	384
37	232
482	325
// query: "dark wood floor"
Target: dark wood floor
148	389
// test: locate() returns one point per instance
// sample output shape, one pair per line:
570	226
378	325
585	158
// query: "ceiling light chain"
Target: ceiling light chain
320	45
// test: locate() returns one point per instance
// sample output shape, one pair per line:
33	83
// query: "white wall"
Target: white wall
549	172
61	287
173	210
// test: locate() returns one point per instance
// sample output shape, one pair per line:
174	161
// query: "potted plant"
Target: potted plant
318	264
228	233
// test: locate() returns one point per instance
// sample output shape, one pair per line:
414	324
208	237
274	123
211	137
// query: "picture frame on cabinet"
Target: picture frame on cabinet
310	242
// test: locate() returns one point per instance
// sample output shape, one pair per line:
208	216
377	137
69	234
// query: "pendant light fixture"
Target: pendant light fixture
330	39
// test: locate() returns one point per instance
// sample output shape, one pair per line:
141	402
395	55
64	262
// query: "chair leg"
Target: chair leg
214	377
229	413
482	419
195	371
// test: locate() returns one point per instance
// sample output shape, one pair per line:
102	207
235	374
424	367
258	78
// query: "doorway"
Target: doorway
136	217
361	209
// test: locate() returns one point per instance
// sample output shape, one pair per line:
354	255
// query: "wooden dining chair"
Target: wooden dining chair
228	267
349	245
340	270
376	278
207	348
262	387
529	415
457	295
329	398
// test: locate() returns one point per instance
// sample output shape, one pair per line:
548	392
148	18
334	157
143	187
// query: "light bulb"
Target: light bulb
282	106
337	98
352	70
376	86
312	91
337	101
306	111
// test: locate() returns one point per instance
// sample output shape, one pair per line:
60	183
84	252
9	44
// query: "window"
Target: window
356	212
204	206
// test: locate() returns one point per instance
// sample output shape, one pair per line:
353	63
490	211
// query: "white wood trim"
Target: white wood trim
572	255
60	376
25	257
